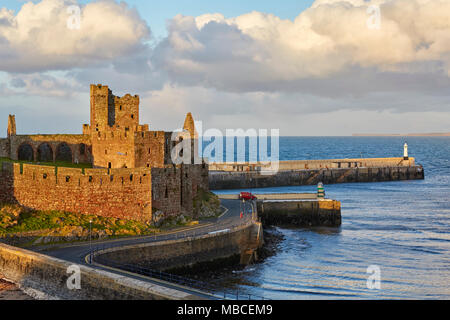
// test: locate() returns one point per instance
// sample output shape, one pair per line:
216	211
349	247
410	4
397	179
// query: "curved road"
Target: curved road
77	253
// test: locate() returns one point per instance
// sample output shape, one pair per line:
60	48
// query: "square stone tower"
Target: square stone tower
114	122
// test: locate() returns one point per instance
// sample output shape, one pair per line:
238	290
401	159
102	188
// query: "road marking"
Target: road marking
225	212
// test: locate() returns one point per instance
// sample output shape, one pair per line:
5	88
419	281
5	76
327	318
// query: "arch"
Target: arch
82	149
45	152
25	152
63	152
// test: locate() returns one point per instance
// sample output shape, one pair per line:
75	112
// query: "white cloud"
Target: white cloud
255	70
37	37
261	52
45	85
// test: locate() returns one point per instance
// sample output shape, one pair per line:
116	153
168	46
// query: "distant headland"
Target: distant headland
434	134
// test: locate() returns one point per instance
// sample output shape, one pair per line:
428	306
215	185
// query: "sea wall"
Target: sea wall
300	213
49	275
271	196
238	243
219	180
316	164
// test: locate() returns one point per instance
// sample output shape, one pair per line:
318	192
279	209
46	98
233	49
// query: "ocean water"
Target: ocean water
401	227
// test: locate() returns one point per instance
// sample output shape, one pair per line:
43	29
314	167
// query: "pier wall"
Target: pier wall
300	213
317	164
189	252
220	180
33	271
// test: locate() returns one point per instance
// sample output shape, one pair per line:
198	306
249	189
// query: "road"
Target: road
77	253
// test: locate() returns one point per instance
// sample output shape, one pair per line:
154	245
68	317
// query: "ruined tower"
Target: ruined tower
109	111
114	120
189	126
11	126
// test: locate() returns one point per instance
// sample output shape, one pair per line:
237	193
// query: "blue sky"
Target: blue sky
156	13
337	68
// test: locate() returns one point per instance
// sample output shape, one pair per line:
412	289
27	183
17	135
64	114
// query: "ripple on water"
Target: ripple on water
403	227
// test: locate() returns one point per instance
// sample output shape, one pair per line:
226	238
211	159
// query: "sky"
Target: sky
309	68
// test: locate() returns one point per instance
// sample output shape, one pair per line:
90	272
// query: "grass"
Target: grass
54	164
209	200
26	227
15	219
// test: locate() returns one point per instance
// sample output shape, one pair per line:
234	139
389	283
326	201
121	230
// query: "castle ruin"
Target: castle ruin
132	174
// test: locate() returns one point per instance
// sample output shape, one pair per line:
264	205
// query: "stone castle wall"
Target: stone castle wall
113	142
119	193
176	186
118	149
79	144
4	148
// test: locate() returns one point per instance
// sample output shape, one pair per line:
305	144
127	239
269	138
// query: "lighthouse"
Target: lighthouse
405	152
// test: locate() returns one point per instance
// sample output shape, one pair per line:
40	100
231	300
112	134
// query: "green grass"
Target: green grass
54	164
209	199
16	219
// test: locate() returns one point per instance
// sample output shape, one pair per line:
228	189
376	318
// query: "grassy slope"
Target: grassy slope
16	219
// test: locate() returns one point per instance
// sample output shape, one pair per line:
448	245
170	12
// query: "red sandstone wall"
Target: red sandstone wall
149	149
4	148
74	142
126	111
113	146
163	179
124	193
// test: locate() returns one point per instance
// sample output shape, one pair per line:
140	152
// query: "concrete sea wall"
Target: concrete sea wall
315	164
239	243
301	213
32	271
220	180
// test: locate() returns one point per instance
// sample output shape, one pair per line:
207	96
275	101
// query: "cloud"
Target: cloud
325	72
45	85
38	38
331	39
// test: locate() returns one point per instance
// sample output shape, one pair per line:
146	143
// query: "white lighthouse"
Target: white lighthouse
405	152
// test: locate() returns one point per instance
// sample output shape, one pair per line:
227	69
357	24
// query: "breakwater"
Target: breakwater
294	209
300	213
311	172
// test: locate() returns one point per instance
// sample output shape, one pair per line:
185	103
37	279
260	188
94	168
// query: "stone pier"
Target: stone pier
297	173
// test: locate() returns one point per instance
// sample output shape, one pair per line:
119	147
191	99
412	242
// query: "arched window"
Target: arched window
64	153
25	152
82	149
45	152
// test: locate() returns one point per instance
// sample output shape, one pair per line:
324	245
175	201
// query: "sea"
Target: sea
394	242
